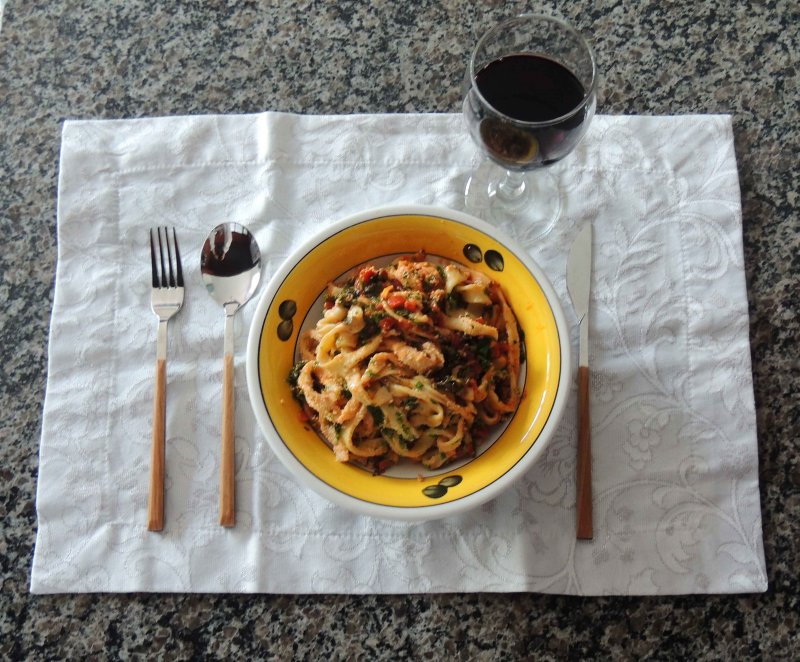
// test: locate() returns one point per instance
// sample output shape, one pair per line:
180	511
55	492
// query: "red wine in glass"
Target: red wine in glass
530	92
532	89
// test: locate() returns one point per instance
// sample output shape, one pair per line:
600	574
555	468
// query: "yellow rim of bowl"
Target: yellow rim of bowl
369	240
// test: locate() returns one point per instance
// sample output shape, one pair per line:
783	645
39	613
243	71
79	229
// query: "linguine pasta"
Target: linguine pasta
416	360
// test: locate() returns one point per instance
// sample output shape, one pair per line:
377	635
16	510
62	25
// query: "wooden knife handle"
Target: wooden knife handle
584	474
155	500
227	494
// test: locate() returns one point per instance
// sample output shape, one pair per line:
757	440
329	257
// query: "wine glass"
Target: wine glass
530	94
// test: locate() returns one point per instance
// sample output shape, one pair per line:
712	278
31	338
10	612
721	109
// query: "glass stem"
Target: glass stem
512	186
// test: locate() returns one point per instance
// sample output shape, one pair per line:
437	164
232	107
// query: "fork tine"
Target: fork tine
169	258
161	254
153	259
177	259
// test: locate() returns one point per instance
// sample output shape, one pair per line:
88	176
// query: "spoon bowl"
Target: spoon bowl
230	265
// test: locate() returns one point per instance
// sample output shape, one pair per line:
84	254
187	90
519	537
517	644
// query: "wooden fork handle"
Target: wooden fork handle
155	500
584	474
227	493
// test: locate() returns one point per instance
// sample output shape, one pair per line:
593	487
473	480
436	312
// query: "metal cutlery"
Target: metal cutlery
230	264
166	300
579	281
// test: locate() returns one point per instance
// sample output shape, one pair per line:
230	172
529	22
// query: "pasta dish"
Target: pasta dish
415	360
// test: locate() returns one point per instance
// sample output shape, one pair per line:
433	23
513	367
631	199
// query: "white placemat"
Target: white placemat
675	458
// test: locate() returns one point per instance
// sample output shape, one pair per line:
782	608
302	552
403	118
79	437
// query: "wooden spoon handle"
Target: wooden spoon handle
155	500
227	502
584	475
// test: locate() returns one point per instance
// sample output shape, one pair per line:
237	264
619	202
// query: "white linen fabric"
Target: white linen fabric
676	496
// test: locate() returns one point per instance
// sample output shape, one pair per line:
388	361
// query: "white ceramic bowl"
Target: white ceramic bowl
411	492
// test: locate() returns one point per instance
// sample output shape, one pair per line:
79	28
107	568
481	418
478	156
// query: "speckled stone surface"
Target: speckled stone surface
129	58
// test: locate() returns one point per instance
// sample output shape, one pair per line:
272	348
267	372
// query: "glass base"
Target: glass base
502	198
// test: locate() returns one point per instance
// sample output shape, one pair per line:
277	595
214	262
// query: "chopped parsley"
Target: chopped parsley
377	414
374	288
410	404
483	350
347	295
454	301
293	377
294	373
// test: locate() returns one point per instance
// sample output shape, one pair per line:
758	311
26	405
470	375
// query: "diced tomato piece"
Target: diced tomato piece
388	323
396	300
367	275
411	305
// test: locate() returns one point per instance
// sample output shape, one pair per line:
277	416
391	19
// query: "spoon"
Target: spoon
230	264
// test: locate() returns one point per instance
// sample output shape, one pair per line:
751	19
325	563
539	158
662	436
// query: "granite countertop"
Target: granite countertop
128	58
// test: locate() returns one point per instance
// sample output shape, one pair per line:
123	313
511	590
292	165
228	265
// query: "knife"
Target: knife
579	281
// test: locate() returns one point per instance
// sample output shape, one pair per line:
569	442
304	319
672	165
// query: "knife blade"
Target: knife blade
579	284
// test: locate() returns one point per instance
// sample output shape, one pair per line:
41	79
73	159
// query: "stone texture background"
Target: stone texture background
129	58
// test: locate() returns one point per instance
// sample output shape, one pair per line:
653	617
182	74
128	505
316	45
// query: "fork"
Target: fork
166	300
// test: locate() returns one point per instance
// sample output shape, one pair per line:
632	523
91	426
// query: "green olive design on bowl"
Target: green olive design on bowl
439	490
286	311
473	253
494	260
